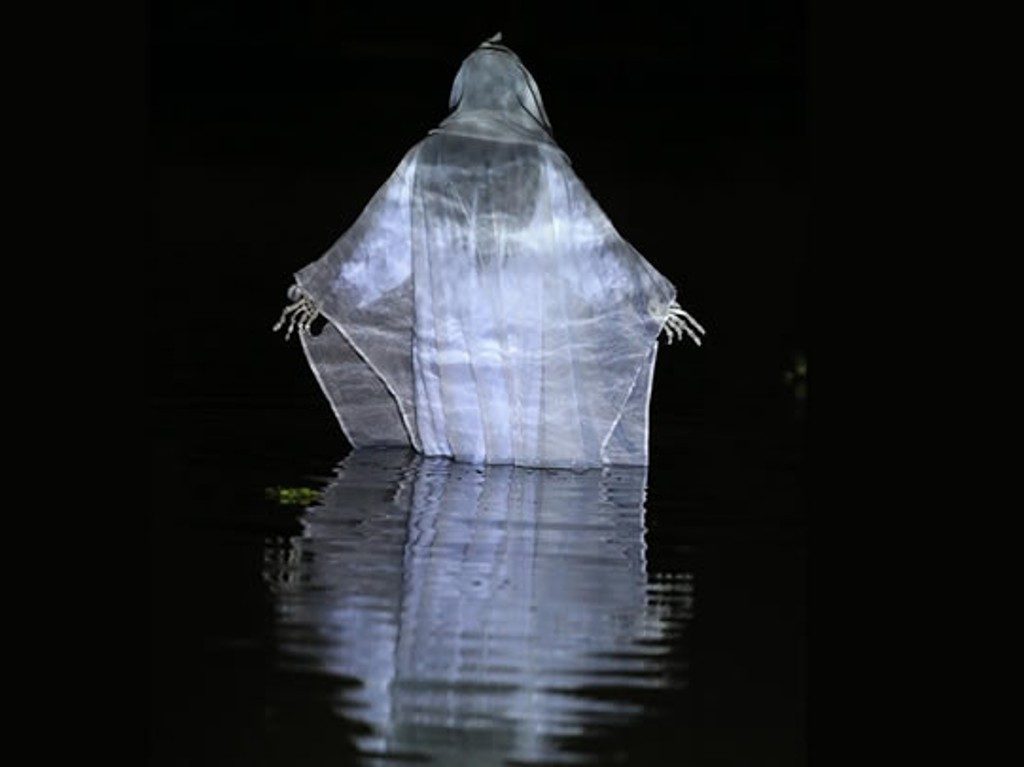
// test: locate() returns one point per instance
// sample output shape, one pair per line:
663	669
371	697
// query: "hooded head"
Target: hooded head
494	95
493	78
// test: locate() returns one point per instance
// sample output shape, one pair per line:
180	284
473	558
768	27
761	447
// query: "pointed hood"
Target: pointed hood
495	96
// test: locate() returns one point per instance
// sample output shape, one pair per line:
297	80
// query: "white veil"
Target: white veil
483	307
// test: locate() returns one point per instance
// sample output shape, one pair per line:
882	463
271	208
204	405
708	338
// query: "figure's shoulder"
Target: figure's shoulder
466	146
405	168
556	156
412	154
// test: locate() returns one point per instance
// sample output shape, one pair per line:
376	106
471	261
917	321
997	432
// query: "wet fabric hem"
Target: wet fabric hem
339	326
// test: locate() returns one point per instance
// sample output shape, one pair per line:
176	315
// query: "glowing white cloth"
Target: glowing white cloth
483	307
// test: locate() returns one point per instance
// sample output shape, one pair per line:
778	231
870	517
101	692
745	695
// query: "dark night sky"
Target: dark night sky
272	124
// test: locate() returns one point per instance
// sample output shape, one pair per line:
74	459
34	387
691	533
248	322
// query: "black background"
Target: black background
270	125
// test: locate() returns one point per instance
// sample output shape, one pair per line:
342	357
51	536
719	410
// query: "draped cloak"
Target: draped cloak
482	306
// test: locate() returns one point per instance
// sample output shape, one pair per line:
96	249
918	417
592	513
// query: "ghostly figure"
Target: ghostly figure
482	306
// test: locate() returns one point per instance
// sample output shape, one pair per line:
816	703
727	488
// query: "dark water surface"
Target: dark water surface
312	607
411	610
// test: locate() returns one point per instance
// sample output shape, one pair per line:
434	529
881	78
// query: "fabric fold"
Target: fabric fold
482	306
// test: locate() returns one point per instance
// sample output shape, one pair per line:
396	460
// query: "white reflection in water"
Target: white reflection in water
484	611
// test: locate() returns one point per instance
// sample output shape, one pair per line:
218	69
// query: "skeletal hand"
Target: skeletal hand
679	322
302	312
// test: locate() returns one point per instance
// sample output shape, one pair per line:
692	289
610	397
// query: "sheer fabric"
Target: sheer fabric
483	307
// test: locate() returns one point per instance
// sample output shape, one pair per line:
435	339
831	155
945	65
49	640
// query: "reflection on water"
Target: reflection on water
487	613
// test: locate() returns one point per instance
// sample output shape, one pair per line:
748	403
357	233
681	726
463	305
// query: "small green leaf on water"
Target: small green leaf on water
293	496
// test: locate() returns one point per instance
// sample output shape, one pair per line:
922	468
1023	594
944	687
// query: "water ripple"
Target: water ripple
487	613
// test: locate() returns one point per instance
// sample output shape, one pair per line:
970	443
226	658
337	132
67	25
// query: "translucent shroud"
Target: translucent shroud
483	307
